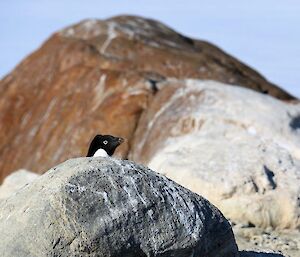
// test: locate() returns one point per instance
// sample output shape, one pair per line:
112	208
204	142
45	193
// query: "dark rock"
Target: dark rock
107	207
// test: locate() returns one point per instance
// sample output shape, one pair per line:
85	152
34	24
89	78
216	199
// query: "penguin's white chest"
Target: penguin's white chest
100	153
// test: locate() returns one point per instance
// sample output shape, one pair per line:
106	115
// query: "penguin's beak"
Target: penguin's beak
120	140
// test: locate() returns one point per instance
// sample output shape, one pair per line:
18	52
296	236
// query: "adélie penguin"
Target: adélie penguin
104	145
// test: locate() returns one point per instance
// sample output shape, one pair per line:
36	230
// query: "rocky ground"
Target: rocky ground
286	242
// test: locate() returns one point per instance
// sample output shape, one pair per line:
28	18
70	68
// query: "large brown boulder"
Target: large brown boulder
98	77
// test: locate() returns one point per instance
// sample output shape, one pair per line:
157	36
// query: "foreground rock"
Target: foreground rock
237	148
15	181
98	77
106	207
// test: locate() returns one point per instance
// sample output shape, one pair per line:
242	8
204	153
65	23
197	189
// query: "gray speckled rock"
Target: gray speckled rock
107	207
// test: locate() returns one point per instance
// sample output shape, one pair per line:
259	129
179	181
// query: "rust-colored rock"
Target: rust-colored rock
98	77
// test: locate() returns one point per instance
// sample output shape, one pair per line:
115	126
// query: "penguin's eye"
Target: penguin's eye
105	142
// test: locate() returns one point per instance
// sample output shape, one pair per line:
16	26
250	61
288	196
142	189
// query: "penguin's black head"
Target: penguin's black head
106	142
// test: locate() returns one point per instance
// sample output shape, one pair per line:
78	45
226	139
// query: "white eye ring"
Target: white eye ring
105	142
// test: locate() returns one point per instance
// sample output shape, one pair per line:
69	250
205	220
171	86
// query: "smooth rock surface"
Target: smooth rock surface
237	148
107	207
15	181
98	77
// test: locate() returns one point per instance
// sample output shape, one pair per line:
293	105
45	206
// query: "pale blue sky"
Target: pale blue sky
264	34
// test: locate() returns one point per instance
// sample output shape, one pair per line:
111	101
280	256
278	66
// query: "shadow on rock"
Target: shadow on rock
259	254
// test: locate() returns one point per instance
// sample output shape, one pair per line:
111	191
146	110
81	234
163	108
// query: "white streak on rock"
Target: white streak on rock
99	92
111	34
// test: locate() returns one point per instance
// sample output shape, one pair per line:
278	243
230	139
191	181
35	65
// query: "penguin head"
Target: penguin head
105	143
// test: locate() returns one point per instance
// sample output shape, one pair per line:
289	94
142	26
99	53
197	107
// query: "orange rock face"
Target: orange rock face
99	77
